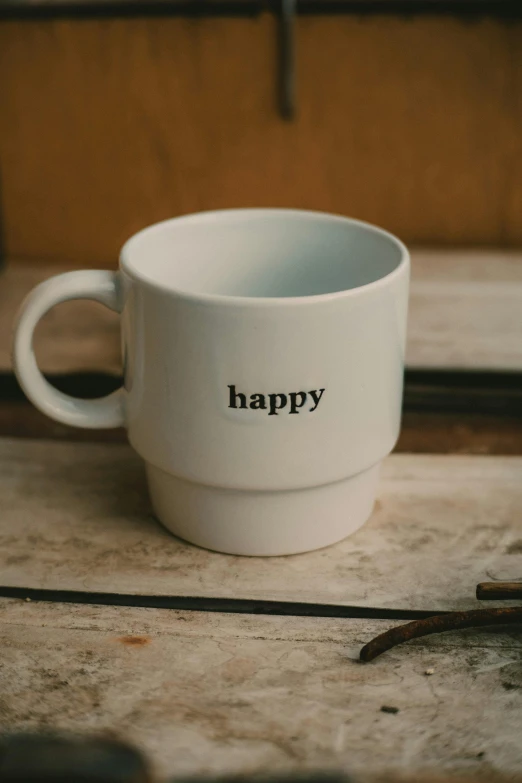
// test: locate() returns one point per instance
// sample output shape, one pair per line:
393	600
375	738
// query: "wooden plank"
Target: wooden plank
24	7
229	694
75	336
465	313
421	433
466	310
107	126
76	517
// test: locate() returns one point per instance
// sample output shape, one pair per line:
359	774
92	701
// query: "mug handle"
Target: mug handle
97	284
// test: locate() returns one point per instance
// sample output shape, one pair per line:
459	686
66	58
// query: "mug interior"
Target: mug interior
262	253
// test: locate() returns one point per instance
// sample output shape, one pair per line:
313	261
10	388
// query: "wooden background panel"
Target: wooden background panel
77	517
29	8
109	125
229	694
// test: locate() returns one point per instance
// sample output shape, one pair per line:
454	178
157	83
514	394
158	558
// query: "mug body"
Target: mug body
263	371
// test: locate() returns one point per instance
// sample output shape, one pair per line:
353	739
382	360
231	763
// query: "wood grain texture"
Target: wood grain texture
465	313
77	517
109	125
228	694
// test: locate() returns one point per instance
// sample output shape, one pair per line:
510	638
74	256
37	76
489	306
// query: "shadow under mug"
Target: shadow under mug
263	371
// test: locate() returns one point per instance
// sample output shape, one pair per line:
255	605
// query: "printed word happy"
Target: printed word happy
291	402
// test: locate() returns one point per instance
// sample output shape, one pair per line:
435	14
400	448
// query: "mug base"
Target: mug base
262	523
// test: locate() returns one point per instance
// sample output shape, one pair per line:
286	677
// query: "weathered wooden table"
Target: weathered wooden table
213	663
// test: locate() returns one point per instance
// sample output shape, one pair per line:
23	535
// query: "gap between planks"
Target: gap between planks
209	604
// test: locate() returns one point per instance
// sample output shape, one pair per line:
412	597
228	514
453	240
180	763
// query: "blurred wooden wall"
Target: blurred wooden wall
108	125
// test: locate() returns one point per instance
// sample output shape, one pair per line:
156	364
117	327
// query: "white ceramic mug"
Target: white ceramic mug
263	369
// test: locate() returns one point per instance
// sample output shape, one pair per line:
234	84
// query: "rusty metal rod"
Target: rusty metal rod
452	621
499	591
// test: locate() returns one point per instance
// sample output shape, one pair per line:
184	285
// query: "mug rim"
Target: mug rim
230	299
